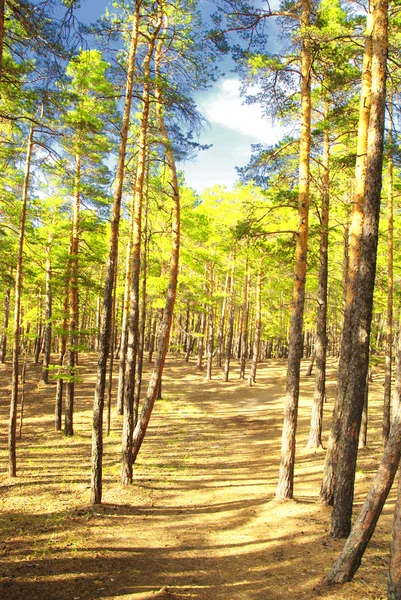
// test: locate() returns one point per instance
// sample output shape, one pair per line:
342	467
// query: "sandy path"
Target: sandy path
200	518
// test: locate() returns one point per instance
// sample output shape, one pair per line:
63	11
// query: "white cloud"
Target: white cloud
224	106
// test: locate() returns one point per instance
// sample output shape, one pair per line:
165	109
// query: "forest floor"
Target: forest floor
200	519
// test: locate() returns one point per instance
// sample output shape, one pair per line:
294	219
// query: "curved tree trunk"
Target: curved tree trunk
164	331
134	306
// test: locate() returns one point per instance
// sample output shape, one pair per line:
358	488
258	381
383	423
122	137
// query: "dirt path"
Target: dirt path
201	518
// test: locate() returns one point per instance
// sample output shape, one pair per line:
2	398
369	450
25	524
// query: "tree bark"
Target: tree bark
286	477
58	411
315	432
220	333
48	314
3	343
258	327
133	319
394	575
390	285
210	340
245	320
330	467
362	314
164	332
74	314
230	330
98	403
347	564
12	428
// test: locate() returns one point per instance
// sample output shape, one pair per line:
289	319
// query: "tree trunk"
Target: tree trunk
210	340
245	319
12	429
164	333
390	285
315	432
111	361
125	313
74	315
133	320
142	323
98	403
347	564
152	339
330	467
201	342
230	331
3	343
363	433
286	478
48	315
258	328
219	341
394	575
362	315
58	412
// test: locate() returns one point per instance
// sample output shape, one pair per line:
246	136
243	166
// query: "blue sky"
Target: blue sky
233	126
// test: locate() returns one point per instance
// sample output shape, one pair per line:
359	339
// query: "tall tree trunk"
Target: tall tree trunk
219	340
74	316
142	321
133	320
330	467
152	341
286	478
98	403
111	361
230	330
125	314
362	317
164	332
201	342
3	342
390	285
38	333
210	340
48	314
12	428
315	432
258	327
58	411
245	320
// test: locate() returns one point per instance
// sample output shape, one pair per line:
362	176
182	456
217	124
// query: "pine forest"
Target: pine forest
200	385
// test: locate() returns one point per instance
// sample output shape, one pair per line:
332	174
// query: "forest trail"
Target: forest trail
200	519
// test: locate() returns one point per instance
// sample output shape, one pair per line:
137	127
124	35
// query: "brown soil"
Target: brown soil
200	521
